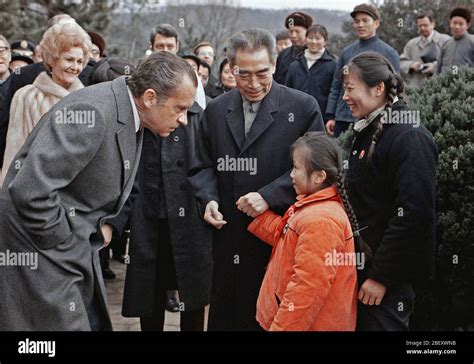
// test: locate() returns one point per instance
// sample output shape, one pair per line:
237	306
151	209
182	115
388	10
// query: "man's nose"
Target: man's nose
183	119
253	82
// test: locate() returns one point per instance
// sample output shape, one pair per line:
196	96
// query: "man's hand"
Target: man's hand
372	292
429	69
330	125
252	204
107	231
212	215
415	66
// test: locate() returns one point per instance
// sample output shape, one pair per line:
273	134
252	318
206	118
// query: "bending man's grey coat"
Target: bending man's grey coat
65	181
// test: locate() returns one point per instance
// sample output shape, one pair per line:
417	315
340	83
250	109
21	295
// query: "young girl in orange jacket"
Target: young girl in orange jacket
311	279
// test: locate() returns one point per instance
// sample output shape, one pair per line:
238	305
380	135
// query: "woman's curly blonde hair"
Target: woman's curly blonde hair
62	37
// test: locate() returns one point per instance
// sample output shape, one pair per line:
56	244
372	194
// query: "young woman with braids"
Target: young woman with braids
311	280
392	188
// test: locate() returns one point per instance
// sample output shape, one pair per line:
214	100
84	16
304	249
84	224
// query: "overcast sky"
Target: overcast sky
346	5
299	4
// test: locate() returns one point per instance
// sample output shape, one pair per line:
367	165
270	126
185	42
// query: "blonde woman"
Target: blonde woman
65	49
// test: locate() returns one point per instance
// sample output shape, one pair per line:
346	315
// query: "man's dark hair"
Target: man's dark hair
162	72
205	64
166	30
428	15
284	34
251	40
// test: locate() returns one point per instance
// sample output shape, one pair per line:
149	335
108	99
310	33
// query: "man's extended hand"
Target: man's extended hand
252	204
330	125
212	215
107	231
372	292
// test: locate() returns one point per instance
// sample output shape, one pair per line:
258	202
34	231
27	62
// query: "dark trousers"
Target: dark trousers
189	320
393	314
165	279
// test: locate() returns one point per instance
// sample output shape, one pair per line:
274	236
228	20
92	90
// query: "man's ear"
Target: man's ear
177	46
149	98
273	67
377	23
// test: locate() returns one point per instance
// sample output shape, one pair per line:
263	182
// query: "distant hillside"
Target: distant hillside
128	34
274	20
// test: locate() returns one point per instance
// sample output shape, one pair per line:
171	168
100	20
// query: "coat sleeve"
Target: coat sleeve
24	113
439	65
265	227
58	153
11	86
202	174
394	59
407	247
290	76
406	59
336	89
312	278
279	194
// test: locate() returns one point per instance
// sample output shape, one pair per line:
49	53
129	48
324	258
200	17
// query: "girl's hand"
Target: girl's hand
371	292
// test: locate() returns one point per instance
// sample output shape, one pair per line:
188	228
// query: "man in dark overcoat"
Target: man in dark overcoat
170	244
242	168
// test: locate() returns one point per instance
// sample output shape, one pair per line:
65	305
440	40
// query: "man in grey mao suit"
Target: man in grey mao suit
73	173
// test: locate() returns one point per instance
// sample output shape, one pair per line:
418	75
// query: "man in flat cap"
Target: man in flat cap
297	23
366	21
459	50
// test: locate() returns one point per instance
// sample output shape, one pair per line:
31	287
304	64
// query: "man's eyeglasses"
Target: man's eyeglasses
4	50
204	53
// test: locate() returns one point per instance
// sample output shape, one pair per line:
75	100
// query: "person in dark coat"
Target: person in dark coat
242	168
297	24
313	72
170	244
392	189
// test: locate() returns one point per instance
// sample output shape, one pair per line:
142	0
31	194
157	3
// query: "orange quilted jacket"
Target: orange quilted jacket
311	279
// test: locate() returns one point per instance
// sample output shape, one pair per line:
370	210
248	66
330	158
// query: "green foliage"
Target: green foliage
446	105
446	108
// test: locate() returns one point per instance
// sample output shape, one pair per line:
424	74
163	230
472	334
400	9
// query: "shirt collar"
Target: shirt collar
428	39
255	105
364	122
324	194
313	57
136	117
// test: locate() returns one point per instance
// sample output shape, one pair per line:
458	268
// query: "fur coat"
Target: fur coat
29	104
